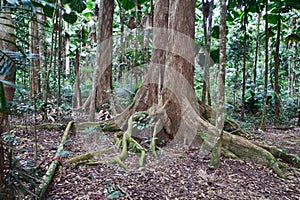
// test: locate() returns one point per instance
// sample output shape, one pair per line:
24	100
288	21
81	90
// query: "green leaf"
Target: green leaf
235	3
293	38
229	17
6	67
115	194
70	18
293	3
215	55
77	5
215	32
272	18
141	1
128	4
48	10
66	1
90	4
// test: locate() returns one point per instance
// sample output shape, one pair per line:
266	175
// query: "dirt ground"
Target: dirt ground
176	174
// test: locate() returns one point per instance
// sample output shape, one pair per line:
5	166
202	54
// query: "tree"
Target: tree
216	154
264	113
207	12
256	50
102	75
35	84
171	80
7	41
150	91
244	60
167	97
276	70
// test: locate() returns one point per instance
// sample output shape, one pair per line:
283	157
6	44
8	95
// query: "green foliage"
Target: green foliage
296	159
293	38
70	17
21	175
142	120
77	5
48	10
128	4
113	192
293	4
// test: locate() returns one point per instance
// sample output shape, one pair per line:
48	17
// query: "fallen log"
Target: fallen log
47	178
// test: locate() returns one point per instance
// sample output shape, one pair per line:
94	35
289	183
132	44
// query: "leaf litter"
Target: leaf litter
176	174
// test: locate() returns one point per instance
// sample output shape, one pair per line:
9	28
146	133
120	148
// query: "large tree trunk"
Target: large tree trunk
105	61
179	72
178	118
150	91
102	76
169	85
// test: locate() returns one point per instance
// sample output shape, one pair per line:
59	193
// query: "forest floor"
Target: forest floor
176	174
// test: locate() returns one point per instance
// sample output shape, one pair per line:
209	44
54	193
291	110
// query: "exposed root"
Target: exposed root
234	146
47	178
85	158
153	144
107	125
278	153
54	126
246	150
127	139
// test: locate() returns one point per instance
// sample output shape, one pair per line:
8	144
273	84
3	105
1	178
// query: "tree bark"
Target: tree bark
102	76
60	52
256	50
264	112
276	69
207	10
35	85
220	117
150	91
244	62
179	73
6	34
77	91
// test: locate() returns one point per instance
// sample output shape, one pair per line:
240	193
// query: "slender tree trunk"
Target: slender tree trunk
60	52
122	19
264	112
215	161
207	10
256	51
42	58
276	83
102	76
77	91
236	82
35	85
67	49
244	62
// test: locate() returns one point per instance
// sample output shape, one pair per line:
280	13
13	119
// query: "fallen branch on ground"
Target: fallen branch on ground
47	178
